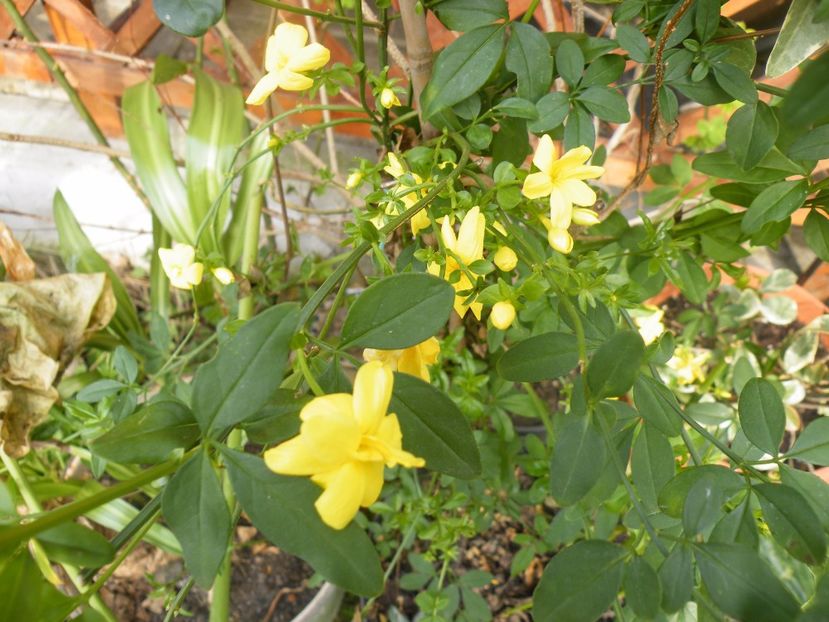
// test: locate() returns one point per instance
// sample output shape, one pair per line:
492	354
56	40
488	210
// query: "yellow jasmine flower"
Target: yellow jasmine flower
396	169
467	247
388	98
414	361
688	364
505	258
354	179
286	59
562	179
223	275
178	265
503	315
649	323
343	443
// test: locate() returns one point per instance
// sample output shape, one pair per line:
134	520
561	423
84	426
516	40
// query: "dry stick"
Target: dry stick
419	51
578	15
654	114
60	77
60	142
549	15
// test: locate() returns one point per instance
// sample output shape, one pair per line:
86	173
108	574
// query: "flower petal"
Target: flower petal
448	235
585	217
289	38
545	154
292	81
295	457
560	240
193	273
310	57
272	55
412	363
584	171
372	393
344	491
373	482
420	220
572	158
391	438
578	192
471	236
266	85
537	185
561	209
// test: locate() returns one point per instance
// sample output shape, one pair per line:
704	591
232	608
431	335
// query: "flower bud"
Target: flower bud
585	217
354	179
223	275
388	98
560	240
503	315
506	259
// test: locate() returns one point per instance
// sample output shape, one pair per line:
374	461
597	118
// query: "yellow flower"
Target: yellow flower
688	364
179	266
354	179
503	314
468	246
395	166
562	179
649	323
223	275
414	361
505	258
286	59
343	443
396	169
388	98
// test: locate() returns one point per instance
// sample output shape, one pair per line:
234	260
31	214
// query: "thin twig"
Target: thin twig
578	15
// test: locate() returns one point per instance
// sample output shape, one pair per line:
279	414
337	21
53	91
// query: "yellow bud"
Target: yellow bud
223	275
499	228
354	180
388	98
506	259
585	217
503	315
560	240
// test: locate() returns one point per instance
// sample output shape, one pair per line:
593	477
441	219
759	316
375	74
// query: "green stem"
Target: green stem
220	593
159	283
250	251
338	300
302	361
771	89
324	17
525	19
176	604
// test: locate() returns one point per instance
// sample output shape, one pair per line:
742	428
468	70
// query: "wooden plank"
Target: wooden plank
750	10
6	25
83	20
138	29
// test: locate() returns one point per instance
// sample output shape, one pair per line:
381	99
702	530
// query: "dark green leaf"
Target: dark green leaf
742	585
735	82
528	57
813	489
657	405
99	389
774	167
580	582
703	507
246	370
71	543
615	365
552	110
542	357
792	522
806	102
125	364
150	434
751	133
479	136
463	15
518	108
511	142
196	511
191	18
762	416
633	42
673	494
398	311
643	591
813	443
668	104
816	232
676	574
706	18
279	419
606	103
814	145
578	459
692	280
463	67
604	70
774	204
433	428
282	508
652	464
579	129
26	595
569	61
167	68
738	526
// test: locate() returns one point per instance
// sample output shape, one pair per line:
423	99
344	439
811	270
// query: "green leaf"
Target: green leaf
246	371
604	70
552	110
706	18
167	68
570	61
676	574
528	57
398	311
579	129
673	494
282	508
692	279
814	145
632	40
657	405
145	126
518	108
99	390
738	526
813	443
278	420
26	595
215	130
652	464
774	167
668	104
806	102
79	255
774	204
580	582
799	38
703	507
813	489
615	365
463	67
742	585
125	364
792	522
735	82
816	232
751	133
71	543
196	511
149	435
578	459
643	591
543	357
433	428
606	103
463	15
511	142
762	416
191	18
